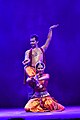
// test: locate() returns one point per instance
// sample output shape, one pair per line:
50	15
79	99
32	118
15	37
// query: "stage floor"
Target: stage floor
20	114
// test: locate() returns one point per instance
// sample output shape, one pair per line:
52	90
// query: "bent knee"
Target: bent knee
27	109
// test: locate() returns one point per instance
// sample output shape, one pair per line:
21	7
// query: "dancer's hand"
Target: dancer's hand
36	77
54	26
25	62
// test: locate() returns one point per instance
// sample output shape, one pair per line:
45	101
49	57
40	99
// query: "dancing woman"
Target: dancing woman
41	100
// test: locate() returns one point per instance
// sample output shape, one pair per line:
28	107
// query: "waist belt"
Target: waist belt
41	94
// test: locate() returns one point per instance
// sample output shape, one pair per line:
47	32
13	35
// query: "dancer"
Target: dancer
41	100
35	54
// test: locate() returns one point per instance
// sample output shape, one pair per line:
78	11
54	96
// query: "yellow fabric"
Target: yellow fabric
43	104
30	71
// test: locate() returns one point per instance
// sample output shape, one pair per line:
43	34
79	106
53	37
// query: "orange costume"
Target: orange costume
41	100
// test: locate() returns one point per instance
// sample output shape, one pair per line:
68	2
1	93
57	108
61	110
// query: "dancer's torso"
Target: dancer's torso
37	55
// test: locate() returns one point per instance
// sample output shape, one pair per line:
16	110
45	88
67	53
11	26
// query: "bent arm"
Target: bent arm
44	77
45	46
26	60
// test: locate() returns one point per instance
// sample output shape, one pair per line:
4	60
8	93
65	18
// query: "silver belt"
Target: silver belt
41	94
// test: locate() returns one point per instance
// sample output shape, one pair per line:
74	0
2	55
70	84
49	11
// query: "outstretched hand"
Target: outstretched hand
54	26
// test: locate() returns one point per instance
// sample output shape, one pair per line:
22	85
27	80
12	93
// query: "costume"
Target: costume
41	100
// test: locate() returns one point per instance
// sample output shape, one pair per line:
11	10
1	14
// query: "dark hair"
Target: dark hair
34	36
39	64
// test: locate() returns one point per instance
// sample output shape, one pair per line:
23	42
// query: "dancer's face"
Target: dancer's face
33	42
40	69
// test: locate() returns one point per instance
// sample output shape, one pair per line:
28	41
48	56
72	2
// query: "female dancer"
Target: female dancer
41	100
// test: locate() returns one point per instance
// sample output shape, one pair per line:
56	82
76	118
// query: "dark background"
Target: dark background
21	18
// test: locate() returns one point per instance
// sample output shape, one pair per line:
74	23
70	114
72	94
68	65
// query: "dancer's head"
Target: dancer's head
34	40
40	67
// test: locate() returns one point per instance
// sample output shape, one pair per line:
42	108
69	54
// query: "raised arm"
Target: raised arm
45	46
